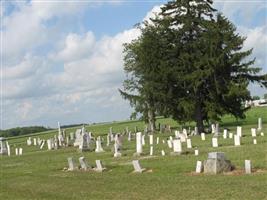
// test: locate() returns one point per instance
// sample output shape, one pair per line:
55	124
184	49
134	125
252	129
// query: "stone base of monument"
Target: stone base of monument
217	163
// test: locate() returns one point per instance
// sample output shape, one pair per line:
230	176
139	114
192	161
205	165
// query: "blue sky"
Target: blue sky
62	60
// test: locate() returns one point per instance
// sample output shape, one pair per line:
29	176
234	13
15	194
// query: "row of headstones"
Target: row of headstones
7	150
84	165
217	163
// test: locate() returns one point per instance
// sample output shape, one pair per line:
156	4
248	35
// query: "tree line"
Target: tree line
189	64
22	131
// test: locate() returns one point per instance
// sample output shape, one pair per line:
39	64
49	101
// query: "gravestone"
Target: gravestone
129	136
108	141
213	128
236	140
117	152
169	142
34	141
42	145
151	151
16	151
188	143
203	136
253	132
162	152
230	135
139	146
217	163
20	151
3	146
84	164
259	124
157	140
214	142
262	134
150	139
99	148
247	166
177	147
217	129
29	141
196	131
137	167
254	141
196	152
224	133
49	144
143	140
199	167
99	167
71	163
239	131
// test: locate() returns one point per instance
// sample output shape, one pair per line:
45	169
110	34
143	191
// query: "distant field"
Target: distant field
37	174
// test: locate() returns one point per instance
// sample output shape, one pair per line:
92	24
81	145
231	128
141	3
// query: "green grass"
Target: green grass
37	174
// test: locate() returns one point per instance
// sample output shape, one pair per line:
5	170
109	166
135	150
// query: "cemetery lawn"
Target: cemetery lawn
38	174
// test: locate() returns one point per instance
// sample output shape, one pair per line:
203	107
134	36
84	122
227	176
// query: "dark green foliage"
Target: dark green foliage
22	131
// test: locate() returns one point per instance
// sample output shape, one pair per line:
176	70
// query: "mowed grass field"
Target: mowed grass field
38	174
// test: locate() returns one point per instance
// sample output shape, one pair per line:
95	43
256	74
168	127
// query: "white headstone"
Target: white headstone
8	150
139	146
203	136
42	145
71	164
213	128
34	141
49	144
17	151
129	136
117	152
253	132
177	146
248	166
99	167
20	151
262	134
214	142
99	148
199	167
230	135
225	133
254	141
151	151
151	139
143	140
188	143
157	140
196	152
236	140
259	124
162	152
239	131
84	164
108	142
137	167
169	142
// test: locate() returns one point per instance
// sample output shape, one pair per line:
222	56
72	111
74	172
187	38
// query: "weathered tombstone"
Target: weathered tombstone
117	152
163	141
262	134
224	133
239	131
84	164
99	148
169	142
29	141
162	152
217	129
108	142
99	167
49	144
16	151
42	145
129	136
150	139
151	151
8	150
236	140
157	140
34	141
139	147
183	137
177	147
3	146
196	152
248	166
213	128
203	136
214	142
135	129
20	151
137	167
259	124
71	164
188	143
254	141
199	167
196	131
176	134
253	132
217	163
230	135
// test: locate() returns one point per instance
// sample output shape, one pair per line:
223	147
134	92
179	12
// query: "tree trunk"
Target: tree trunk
151	120
199	119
